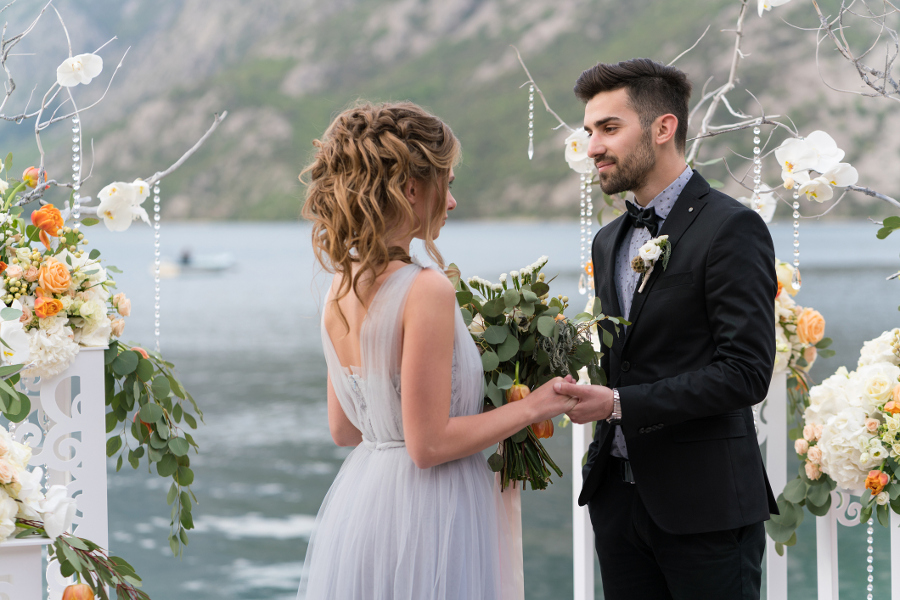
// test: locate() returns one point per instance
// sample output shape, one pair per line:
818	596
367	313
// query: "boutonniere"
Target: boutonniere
656	250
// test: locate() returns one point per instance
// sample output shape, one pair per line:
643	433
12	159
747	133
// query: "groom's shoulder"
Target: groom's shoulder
721	206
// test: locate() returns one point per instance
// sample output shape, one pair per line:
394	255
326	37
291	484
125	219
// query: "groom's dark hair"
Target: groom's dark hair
654	89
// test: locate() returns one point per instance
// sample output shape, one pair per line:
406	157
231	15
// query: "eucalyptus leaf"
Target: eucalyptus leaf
178	446
529	296
493	308
495	462
151	412
161	387
494	394
545	325
10	314
125	363
519	436
504	381
607	338
508	348
144	370
489	362
795	490
496	334
539	288
113	445
167	466
184	476
511	298
466	315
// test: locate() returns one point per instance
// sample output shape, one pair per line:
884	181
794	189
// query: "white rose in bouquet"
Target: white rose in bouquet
879	350
782	350
827	398
96	332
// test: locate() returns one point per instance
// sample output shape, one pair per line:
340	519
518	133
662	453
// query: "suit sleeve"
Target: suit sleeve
740	286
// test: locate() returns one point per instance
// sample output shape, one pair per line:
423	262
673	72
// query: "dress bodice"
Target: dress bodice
369	393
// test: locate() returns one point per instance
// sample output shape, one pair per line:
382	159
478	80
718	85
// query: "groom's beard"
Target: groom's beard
629	172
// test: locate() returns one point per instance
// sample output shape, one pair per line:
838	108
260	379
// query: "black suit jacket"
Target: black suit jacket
698	354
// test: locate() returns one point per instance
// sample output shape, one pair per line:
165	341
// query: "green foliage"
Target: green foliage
144	396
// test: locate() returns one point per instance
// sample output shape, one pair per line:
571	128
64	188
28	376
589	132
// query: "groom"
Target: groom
674	480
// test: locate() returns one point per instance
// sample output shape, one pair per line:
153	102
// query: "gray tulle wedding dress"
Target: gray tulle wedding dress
388	530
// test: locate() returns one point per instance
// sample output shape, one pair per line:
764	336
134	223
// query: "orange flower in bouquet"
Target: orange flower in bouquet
49	220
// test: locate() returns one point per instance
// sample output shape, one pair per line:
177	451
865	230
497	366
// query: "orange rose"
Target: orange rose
544	429
54	276
46	307
49	220
780	287
810	326
876	481
3	266
892	407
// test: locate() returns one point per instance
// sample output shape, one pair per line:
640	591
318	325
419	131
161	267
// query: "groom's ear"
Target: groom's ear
664	128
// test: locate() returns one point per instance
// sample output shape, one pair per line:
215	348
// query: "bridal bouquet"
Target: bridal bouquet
525	340
850	439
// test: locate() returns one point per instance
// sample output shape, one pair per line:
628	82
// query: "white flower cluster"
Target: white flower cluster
817	153
479	282
21	495
845	420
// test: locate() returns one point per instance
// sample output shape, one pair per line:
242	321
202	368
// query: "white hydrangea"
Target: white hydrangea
841	454
51	352
880	349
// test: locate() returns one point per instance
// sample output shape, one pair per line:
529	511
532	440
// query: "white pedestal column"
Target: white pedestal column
582	532
772	429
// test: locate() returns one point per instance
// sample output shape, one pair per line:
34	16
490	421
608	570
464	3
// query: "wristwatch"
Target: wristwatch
616	416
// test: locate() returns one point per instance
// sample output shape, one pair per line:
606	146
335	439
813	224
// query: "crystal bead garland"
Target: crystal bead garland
582	280
757	171
590	234
870	559
795	278
76	168
530	122
156	262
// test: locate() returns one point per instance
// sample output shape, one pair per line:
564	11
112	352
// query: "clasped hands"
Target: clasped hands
594	402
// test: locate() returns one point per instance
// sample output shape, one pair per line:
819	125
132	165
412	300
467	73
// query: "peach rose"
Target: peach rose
809	355
876	481
26	315
801	446
122	304
812	471
892	407
31	274
13	271
54	276
896	393
140	351
118	326
4	448
872	425
7	472
810	326
46	307
814	455
809	433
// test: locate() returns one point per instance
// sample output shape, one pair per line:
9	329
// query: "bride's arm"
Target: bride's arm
342	430
432	436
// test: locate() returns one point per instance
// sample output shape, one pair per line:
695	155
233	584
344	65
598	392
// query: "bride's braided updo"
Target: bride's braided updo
355	197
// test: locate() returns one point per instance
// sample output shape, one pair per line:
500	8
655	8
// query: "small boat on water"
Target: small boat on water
190	264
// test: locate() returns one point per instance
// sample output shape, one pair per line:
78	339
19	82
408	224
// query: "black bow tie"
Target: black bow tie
643	217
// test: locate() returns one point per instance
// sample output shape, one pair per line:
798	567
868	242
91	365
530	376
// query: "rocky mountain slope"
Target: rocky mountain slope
283	68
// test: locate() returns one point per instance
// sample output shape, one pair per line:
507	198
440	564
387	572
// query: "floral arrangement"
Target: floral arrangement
26	511
850	439
802	158
525	340
799	332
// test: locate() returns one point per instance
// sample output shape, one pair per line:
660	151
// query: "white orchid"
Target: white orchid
57	511
764	5
796	155
765	204
120	204
78	69
576	152
841	175
817	189
828	155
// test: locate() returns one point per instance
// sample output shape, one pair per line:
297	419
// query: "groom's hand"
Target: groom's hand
595	402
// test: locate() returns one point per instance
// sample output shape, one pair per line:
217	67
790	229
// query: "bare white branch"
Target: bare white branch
540	93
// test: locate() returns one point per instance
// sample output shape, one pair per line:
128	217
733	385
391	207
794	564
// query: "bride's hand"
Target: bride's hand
548	404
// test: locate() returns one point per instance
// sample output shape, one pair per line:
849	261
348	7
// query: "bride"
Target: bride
414	512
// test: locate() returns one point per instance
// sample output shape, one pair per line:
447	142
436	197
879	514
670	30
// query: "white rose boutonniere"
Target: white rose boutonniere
656	250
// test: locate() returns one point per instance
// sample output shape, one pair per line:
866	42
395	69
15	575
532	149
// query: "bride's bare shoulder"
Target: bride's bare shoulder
430	296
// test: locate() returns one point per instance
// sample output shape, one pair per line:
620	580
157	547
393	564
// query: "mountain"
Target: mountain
284	68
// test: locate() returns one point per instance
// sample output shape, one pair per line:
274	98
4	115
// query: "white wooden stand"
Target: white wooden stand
67	432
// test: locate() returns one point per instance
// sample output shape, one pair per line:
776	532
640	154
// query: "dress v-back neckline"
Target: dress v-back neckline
353	369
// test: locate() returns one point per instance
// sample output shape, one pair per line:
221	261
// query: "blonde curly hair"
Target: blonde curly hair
355	193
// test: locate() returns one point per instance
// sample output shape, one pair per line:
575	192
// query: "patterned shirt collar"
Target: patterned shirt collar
665	200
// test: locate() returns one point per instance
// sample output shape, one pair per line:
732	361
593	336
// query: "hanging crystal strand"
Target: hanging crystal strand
870	558
156	261
76	168
590	235
795	279
530	122
757	171
582	279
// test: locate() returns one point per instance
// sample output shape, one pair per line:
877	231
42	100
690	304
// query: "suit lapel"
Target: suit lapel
605	283
689	204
